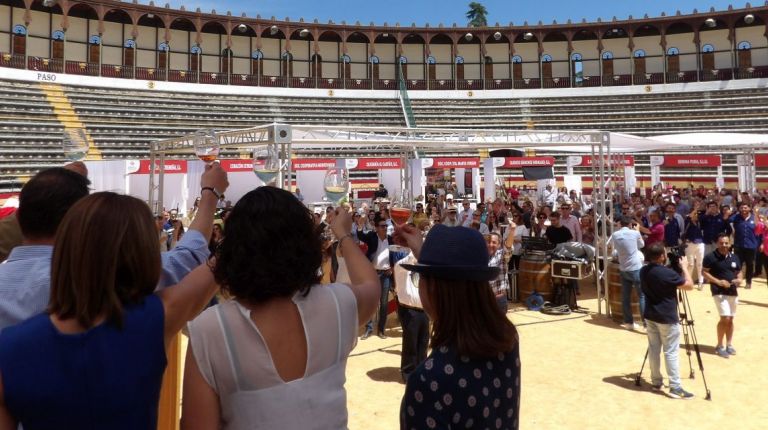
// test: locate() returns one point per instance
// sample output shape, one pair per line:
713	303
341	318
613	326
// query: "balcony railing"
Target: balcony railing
82	68
52	65
11	60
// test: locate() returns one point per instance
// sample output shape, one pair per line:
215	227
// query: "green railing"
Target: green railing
405	101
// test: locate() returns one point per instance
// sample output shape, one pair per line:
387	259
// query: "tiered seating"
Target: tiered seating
30	134
745	111
122	123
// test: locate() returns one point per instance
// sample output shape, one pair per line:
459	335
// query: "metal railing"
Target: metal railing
405	101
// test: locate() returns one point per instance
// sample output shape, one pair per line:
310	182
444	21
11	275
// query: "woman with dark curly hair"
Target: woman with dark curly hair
275	356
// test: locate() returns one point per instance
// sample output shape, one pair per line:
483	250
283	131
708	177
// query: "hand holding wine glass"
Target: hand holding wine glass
206	145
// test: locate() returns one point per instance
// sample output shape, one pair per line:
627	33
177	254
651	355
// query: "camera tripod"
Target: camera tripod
691	341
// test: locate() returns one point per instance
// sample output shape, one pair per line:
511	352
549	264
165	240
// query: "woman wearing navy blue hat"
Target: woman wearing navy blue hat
472	377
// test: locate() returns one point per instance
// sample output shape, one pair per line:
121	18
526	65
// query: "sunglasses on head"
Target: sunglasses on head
382	226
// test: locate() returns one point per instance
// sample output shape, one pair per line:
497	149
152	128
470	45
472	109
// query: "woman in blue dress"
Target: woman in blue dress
95	359
472	377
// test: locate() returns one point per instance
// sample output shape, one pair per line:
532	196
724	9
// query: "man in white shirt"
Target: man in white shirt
627	243
465	216
549	196
413	319
451	219
378	253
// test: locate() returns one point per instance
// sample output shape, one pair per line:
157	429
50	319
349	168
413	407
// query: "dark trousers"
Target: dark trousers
759	264
747	257
385	281
415	324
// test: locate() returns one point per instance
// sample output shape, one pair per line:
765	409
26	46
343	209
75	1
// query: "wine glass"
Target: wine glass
206	145
75	145
400	212
266	163
336	184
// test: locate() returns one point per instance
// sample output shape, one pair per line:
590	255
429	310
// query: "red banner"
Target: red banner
171	167
761	160
517	162
455	163
241	165
691	161
626	161
313	164
374	163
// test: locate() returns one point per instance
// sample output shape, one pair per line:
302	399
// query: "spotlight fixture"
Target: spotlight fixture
749	19
242	28
497	36
273	30
304	33
468	37
528	36
50	3
710	22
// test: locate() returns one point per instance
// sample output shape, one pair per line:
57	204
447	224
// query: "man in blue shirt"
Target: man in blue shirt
660	284
43	202
627	244
673	226
712	225
723	272
745	241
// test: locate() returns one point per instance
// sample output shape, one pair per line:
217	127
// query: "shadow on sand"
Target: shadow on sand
385	374
627	382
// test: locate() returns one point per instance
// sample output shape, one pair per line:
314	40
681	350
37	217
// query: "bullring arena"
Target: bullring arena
682	99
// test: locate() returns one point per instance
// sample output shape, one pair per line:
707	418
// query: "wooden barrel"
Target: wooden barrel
614	295
534	275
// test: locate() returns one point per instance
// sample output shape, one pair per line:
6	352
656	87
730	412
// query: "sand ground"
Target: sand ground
578	372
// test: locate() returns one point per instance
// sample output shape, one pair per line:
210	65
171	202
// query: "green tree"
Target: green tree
477	15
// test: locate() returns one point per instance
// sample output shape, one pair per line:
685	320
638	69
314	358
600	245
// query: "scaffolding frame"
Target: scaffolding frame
409	144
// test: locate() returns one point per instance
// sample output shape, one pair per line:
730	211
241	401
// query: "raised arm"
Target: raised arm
365	282
214	177
185	300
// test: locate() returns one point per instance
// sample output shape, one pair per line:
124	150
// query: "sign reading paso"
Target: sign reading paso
313	164
520	162
141	167
686	160
451	163
373	163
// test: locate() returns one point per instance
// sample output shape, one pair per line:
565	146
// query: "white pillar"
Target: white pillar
489	171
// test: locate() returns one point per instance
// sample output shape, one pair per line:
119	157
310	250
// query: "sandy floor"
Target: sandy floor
578	372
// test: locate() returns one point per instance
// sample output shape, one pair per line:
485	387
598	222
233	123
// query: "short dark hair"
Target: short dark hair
270	247
654	251
105	257
46	198
722	235
555	214
625	221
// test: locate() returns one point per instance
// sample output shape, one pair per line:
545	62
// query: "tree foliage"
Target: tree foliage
477	15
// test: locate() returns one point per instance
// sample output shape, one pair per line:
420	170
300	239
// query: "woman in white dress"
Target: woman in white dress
275	356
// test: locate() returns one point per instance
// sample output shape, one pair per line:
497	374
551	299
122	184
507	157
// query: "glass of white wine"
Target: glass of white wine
206	145
75	145
336	184
266	164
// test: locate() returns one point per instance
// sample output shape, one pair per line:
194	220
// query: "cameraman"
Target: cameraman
660	284
722	269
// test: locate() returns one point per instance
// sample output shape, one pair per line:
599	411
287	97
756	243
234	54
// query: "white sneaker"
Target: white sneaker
637	327
628	326
700	286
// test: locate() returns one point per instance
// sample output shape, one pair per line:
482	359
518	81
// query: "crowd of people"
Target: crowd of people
273	298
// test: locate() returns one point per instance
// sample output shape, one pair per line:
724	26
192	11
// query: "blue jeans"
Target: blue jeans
385	281
668	337
630	280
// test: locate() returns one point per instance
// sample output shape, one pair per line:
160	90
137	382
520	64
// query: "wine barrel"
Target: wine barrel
614	296
534	275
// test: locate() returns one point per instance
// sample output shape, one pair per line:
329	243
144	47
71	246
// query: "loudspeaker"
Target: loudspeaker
506	153
280	133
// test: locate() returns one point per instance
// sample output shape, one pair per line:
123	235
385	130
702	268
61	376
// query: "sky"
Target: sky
449	11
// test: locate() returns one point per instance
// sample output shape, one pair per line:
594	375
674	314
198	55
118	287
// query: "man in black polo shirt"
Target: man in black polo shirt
722	269
660	284
557	233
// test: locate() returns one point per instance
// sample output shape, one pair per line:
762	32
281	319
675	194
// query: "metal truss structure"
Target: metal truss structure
411	143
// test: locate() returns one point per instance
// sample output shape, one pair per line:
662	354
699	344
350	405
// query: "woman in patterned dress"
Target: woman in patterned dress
472	377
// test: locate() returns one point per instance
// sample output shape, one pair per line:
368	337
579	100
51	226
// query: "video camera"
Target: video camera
674	255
